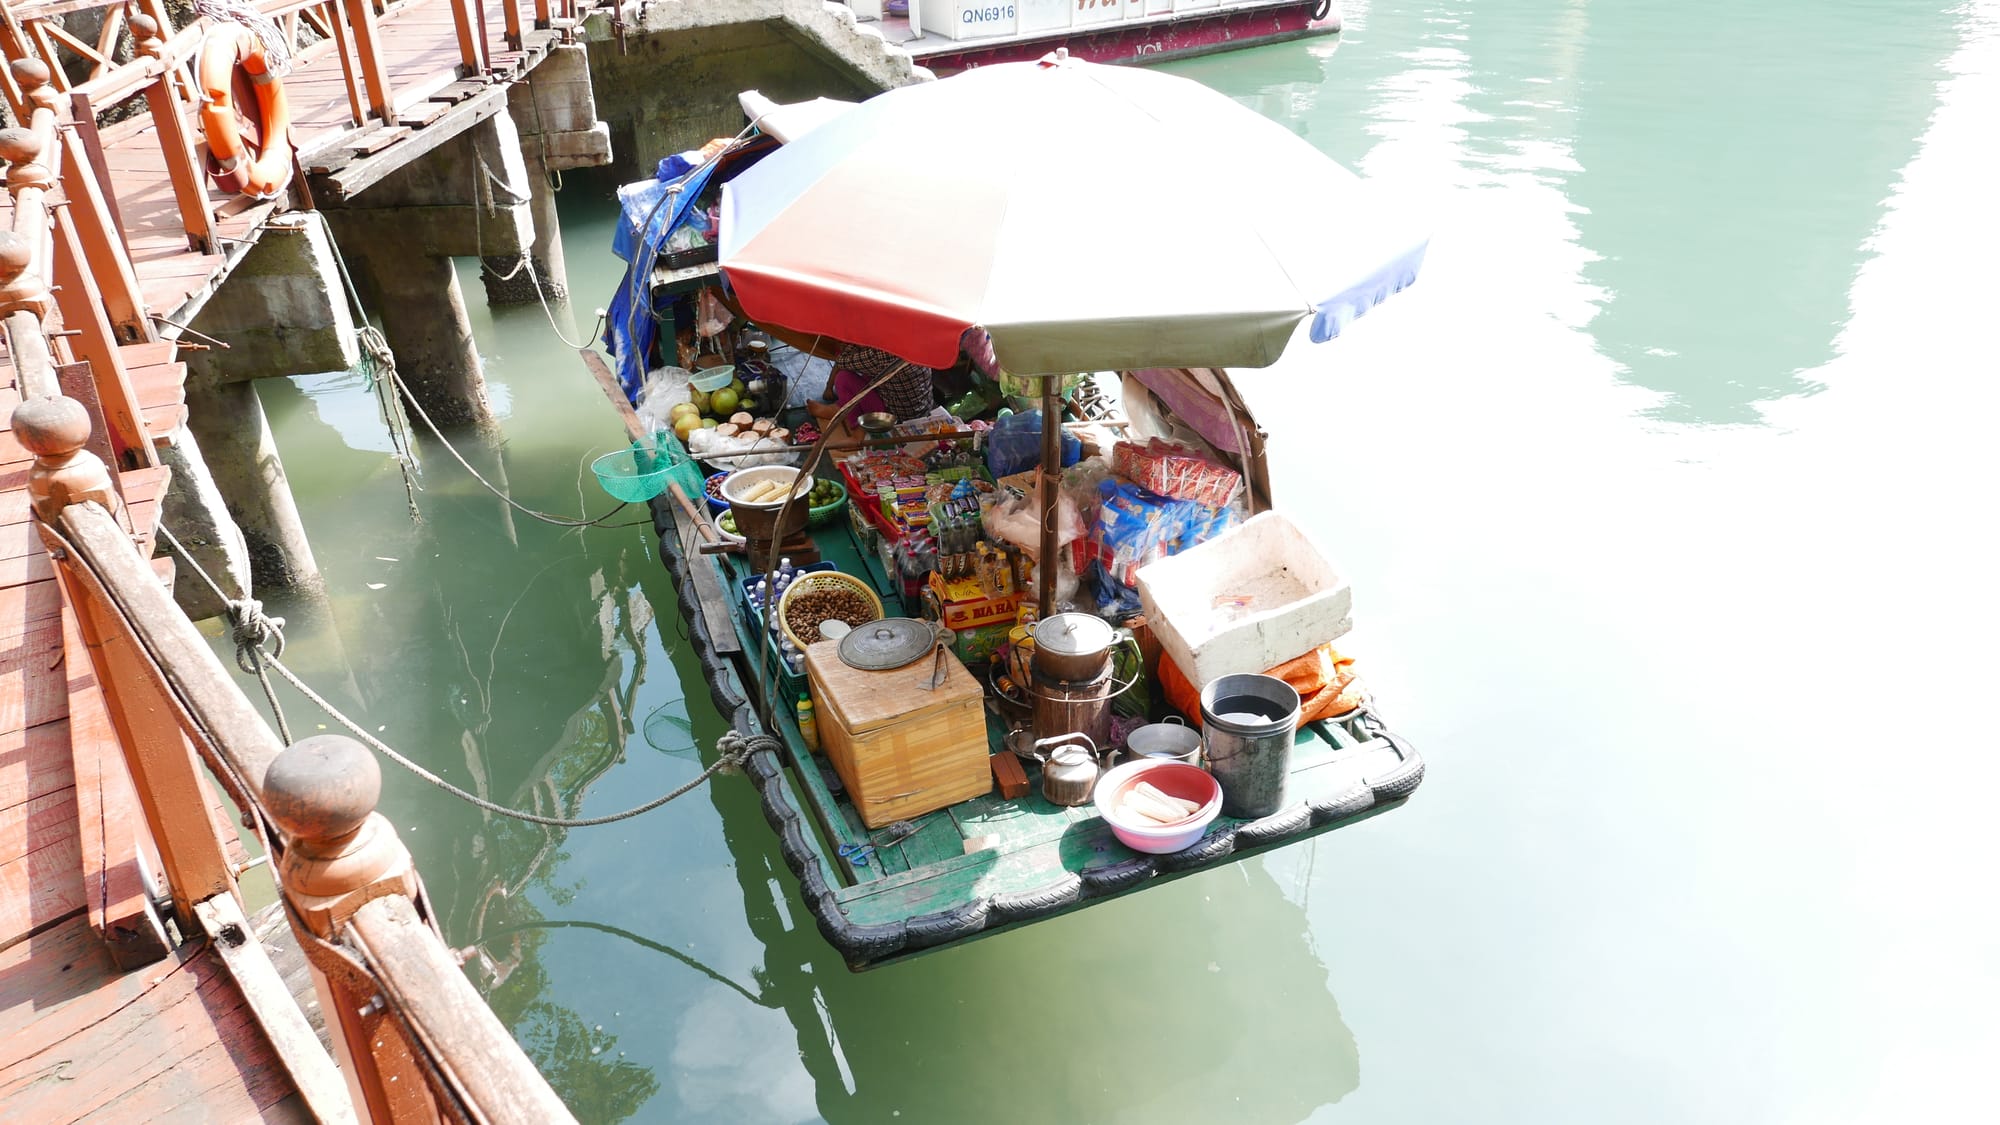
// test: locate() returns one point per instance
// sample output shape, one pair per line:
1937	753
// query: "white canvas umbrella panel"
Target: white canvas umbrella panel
1090	218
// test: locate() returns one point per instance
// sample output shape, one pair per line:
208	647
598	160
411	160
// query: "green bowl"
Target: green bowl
820	515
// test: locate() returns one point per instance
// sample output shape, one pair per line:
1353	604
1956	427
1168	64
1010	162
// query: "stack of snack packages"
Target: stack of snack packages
895	481
1161	499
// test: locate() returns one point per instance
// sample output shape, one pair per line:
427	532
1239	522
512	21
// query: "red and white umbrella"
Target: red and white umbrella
1089	217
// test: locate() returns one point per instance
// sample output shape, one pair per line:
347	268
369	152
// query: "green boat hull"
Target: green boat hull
879	900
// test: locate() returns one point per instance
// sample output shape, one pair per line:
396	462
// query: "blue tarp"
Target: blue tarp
649	212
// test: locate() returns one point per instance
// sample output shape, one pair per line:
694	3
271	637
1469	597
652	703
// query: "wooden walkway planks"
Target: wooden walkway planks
170	1042
79	1040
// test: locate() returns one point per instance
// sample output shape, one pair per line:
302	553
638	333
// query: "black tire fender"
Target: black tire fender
1116	877
1277	826
1019	906
1401	781
1216	845
926	930
1340	806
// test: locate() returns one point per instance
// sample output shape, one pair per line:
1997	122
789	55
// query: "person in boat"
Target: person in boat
911	390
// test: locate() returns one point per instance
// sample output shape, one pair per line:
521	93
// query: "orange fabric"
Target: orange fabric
1324	679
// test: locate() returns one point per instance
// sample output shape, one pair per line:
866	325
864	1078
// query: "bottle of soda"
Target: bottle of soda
808	726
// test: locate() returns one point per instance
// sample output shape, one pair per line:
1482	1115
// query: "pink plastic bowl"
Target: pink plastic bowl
1189	783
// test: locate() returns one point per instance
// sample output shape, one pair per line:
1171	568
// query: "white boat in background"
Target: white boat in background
948	36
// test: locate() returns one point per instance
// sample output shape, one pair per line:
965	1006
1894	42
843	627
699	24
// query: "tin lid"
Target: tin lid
889	643
1074	634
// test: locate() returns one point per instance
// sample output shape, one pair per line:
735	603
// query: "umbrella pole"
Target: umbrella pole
1045	561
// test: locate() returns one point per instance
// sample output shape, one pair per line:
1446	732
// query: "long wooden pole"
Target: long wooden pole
1045	559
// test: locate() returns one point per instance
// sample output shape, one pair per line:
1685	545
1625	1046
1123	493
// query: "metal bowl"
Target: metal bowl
876	421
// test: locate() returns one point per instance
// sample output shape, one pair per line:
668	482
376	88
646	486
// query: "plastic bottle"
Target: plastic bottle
808	726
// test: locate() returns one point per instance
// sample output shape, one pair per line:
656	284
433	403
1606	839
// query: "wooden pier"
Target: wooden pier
127	990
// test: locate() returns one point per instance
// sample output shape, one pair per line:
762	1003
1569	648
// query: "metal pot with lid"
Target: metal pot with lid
891	642
1073	647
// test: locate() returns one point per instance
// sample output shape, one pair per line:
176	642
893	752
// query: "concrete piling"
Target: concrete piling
228	420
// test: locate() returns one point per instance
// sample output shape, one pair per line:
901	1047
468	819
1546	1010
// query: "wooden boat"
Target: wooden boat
987	864
965	860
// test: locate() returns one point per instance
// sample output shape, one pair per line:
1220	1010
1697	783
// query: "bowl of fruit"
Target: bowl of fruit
828	498
714	488
725	524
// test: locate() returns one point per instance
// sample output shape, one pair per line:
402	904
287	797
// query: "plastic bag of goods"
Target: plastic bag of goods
1015	443
740	451
666	388
1018	520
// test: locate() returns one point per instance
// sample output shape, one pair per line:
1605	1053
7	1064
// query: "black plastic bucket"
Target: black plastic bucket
1248	722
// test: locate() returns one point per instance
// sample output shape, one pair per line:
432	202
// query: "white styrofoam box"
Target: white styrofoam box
1246	601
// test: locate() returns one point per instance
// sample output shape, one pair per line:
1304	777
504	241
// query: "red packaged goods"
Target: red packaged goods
1176	471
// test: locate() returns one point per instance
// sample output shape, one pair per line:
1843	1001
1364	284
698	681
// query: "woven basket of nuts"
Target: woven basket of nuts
822	596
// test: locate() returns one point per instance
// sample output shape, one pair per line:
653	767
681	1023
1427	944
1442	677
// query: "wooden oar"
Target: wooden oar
701	524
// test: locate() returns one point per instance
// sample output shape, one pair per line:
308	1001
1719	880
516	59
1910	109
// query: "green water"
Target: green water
1667	498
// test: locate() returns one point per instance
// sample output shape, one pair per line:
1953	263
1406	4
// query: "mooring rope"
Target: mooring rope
382	361
495	185
377	348
251	630
277	48
394	418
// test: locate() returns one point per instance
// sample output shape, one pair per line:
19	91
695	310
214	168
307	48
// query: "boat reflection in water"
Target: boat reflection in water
1155	983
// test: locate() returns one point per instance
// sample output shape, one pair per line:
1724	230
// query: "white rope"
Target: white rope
252	630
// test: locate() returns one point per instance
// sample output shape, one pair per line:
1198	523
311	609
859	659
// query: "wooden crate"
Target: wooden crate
901	750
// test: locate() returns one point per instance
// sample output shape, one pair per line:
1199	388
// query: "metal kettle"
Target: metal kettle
1070	773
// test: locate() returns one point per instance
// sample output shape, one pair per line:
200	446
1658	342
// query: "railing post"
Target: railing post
471	44
341	854
416	1037
163	767
83	312
93	197
22	289
361	21
176	145
336	21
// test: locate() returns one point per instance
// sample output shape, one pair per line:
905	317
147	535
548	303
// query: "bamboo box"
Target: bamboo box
900	750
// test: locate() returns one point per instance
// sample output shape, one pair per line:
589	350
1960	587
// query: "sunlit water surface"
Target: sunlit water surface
1667	497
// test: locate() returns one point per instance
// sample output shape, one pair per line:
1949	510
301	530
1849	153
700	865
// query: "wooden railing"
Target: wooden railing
414	1039
347	26
161	72
64	262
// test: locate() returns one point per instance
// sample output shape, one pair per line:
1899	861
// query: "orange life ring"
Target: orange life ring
248	155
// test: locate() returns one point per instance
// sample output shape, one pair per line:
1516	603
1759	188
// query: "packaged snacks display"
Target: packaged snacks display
1134	526
1176	471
